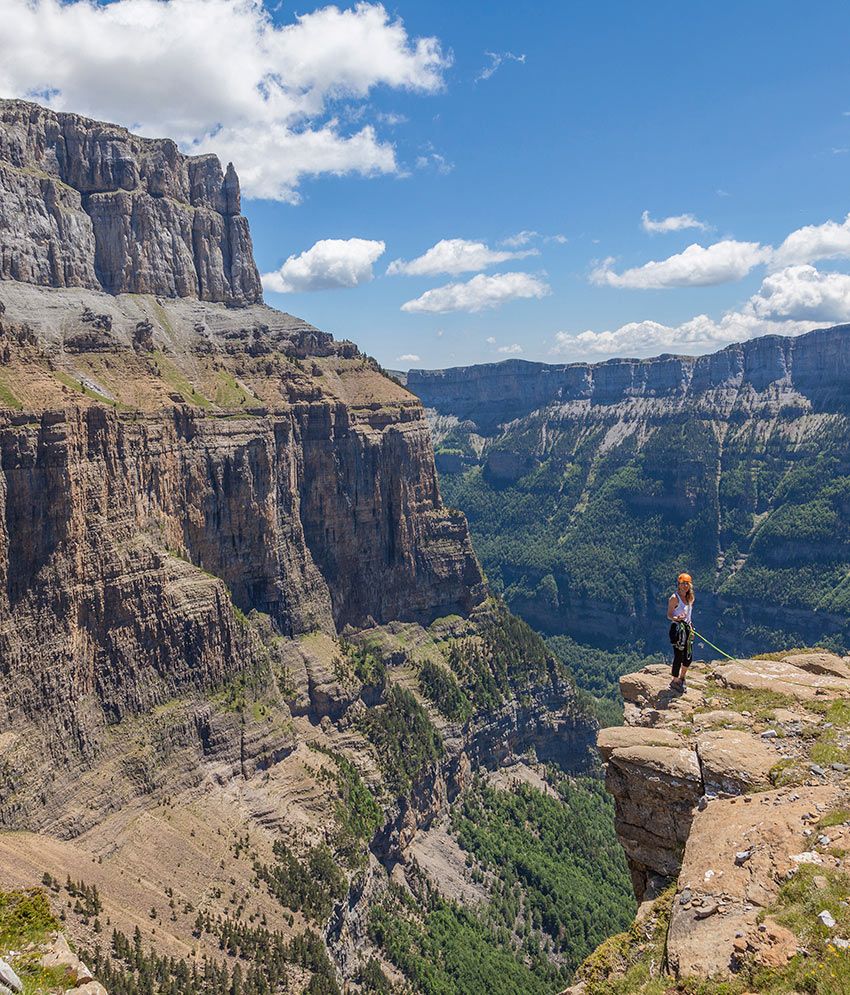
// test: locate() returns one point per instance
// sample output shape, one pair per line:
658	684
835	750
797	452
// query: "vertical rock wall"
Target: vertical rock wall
86	204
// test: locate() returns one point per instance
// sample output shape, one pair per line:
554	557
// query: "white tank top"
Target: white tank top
683	608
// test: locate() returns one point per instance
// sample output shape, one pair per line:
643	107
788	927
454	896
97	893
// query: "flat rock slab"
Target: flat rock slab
770	827
670	771
649	689
781	677
734	760
620	737
819	663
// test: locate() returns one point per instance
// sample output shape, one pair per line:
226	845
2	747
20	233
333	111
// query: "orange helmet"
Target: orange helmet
685	579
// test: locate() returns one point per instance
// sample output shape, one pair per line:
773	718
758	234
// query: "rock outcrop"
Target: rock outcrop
723	795
87	204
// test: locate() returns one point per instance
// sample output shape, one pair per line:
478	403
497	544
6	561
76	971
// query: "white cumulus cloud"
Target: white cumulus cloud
480	293
694	267
221	76
408	357
512	349
331	262
812	242
803	293
676	222
454	255
789	302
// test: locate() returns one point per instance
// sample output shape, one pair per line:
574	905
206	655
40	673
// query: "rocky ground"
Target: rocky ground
733	808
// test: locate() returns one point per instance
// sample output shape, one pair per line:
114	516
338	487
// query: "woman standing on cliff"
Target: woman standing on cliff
679	611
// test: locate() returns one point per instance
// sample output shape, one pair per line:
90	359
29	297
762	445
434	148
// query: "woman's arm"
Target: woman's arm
671	606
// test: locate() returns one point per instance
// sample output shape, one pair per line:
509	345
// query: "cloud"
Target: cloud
787	303
803	293
526	235
330	263
408	357
521	238
491	340
221	76
454	255
694	267
806	245
676	222
431	159
479	293
496	59
512	349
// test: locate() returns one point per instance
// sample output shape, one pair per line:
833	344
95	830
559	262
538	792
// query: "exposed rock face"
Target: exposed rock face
87	204
727	802
491	394
196	504
132	523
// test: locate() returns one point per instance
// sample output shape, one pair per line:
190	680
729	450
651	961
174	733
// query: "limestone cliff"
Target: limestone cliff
732	805
87	204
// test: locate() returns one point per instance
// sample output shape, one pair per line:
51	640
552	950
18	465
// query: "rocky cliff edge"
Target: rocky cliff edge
733	808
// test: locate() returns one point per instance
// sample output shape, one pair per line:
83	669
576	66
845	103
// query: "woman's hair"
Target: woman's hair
689	597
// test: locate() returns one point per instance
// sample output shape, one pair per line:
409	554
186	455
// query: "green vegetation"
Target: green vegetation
448	950
560	866
588	535
8	399
25	918
597	673
830	745
441	686
507	658
358	815
367	665
229	394
178	382
406	741
312	887
261	967
626	964
77	385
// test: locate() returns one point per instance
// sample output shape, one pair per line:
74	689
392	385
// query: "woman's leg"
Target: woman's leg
687	659
678	657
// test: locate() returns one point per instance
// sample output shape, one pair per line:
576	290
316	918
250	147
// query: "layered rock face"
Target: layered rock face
730	791
224	561
161	463
733	466
491	394
87	204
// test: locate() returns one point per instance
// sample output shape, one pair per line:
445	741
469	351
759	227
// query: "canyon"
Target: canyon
595	484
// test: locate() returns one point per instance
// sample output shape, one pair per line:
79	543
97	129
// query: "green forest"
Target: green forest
586	544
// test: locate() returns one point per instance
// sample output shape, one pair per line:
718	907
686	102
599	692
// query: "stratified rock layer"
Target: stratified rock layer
87	204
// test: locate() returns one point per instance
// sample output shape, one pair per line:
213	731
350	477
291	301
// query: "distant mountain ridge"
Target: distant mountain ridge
588	486
816	365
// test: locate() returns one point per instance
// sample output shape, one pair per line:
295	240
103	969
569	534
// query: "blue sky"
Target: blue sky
733	116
